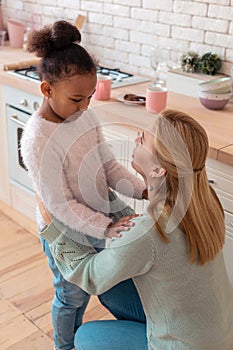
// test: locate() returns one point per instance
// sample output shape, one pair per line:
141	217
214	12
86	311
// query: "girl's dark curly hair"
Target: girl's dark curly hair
60	52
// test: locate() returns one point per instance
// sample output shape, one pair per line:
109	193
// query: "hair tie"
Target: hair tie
197	171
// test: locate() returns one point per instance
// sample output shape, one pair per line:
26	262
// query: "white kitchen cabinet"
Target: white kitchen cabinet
121	142
227	250
221	177
23	200
4	172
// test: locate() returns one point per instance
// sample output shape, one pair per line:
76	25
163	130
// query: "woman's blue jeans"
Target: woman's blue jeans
128	332
111	335
70	302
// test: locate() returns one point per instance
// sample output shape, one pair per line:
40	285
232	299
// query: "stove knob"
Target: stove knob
119	78
105	71
36	105
24	102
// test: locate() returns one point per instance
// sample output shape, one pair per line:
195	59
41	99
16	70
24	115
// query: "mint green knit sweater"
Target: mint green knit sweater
188	306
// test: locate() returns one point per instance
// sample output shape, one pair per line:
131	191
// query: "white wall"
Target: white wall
119	33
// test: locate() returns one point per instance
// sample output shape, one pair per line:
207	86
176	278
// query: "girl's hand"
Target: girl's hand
124	224
44	212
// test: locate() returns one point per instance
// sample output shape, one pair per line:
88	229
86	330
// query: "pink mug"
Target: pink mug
103	87
156	98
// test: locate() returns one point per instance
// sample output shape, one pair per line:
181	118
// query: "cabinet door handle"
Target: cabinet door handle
15	119
211	181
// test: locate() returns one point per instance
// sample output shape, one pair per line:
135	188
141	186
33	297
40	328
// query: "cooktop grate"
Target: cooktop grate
119	78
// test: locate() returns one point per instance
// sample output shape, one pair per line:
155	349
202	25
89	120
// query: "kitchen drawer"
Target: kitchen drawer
228	256
221	183
219	171
221	178
229	224
225	198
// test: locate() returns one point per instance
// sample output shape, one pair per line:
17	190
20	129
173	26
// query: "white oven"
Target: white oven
19	107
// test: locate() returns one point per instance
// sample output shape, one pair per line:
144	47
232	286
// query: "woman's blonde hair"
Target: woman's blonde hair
181	148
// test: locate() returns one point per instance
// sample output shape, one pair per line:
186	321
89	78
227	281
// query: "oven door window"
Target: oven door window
16	121
20	159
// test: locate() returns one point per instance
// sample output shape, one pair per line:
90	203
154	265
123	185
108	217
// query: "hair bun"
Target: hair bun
63	34
57	36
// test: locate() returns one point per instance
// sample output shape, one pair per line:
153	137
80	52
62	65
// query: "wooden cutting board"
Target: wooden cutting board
79	21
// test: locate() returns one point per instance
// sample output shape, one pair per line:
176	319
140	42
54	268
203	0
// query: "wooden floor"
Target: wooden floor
26	291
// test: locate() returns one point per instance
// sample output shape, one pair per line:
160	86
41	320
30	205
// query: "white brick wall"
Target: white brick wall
190	7
212	24
120	33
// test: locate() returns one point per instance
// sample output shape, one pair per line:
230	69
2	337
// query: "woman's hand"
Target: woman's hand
124	224
44	212
113	229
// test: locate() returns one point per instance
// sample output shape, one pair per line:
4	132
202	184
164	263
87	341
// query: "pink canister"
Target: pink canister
16	32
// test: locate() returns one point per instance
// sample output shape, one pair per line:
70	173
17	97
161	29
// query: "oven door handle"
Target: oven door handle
15	119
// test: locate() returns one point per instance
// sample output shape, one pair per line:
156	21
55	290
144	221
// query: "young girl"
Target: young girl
70	165
177	265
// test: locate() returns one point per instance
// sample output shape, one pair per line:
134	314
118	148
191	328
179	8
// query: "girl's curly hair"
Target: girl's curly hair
62	55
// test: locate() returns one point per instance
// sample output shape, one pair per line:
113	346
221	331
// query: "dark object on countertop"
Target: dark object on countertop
133	97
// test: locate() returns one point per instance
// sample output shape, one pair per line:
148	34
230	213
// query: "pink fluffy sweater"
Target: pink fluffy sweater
71	167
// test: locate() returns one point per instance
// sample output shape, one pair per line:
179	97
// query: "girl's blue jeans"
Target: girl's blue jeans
68	307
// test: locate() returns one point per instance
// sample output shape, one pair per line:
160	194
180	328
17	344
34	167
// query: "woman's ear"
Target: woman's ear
46	89
157	171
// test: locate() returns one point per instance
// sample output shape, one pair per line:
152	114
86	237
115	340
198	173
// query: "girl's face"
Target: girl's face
72	95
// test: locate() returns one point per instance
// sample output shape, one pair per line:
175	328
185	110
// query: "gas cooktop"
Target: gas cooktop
119	78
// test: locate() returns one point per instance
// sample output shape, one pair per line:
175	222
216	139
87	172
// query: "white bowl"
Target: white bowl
223	90
219	85
213	96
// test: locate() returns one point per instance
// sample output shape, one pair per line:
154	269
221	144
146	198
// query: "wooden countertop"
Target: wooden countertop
218	124
11	56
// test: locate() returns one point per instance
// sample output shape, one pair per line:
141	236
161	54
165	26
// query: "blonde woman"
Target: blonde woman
174	254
